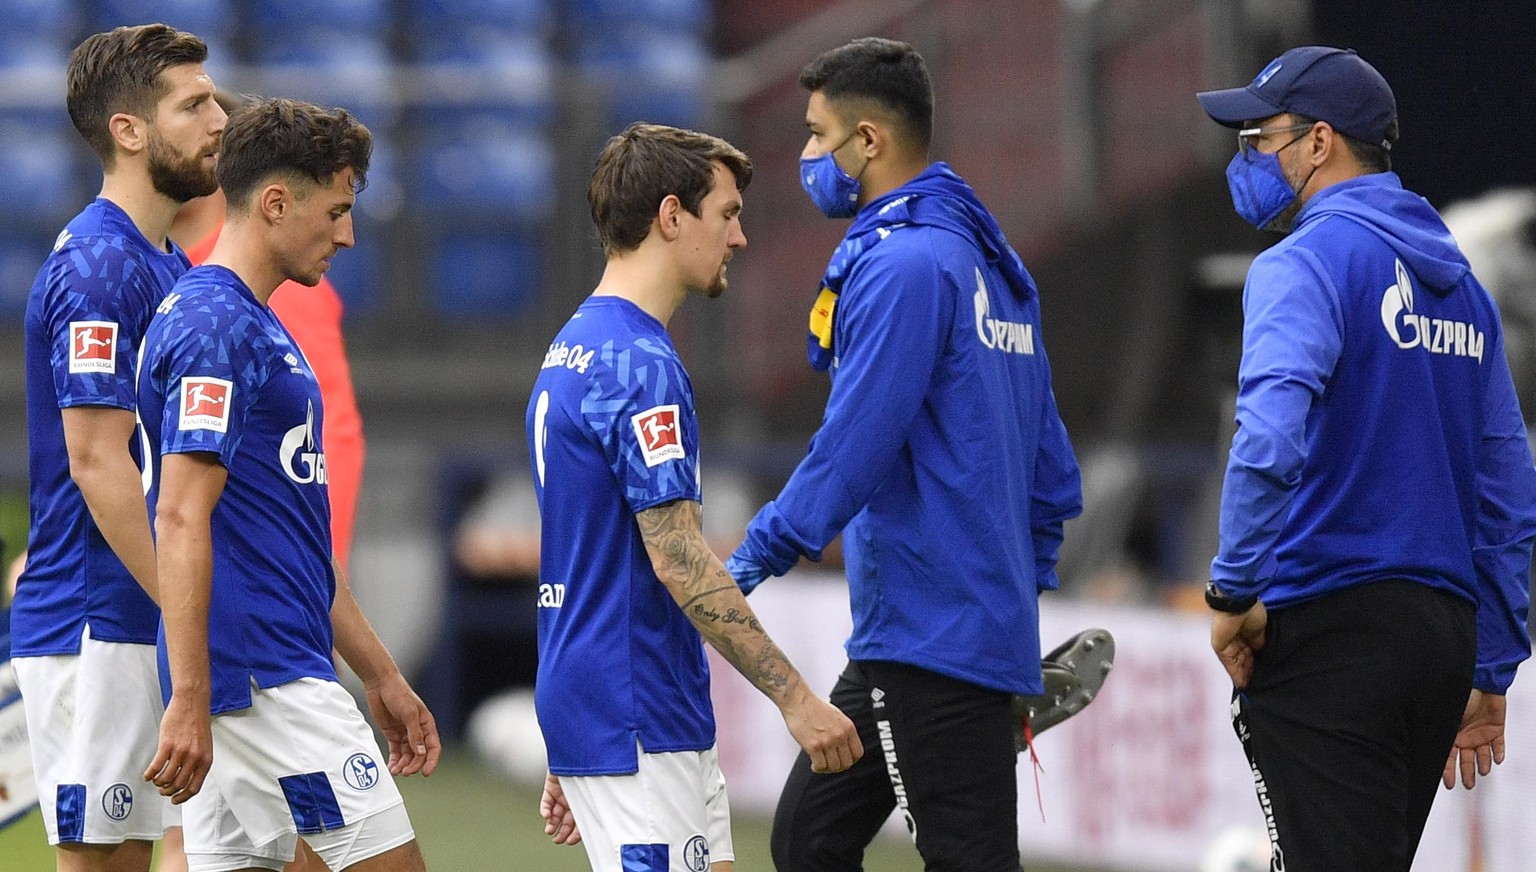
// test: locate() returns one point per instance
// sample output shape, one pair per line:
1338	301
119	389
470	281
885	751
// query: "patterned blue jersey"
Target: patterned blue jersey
221	375
612	430
86	313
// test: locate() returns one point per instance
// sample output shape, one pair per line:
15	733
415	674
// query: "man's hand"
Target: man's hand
559	823
1235	639
186	750
1480	742
824	732
410	729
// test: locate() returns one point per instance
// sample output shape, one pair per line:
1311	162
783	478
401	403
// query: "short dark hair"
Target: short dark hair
1374	158
290	138
1371	158
641	166
119	71
885	72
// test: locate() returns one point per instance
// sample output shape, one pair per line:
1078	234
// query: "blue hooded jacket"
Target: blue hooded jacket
941	450
1379	436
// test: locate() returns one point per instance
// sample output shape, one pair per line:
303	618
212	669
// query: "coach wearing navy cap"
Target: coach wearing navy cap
1370	590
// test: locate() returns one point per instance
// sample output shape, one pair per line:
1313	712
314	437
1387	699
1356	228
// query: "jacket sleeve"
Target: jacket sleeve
1058	491
1506	523
1292	338
892	318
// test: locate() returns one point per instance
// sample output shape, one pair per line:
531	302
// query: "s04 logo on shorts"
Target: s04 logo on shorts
117	801
696	854
360	772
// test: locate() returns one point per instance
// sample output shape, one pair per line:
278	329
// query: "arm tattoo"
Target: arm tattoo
674	538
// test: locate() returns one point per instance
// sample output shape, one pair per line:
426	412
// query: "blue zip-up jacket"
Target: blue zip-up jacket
1379	436
941	450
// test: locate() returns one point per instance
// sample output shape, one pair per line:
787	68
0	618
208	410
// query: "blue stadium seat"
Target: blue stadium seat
39	20
281	19
20	257
209	19
596	16
358	77
530	16
361	273
485	168
358	274
28	62
649	75
45	180
480	273
500	72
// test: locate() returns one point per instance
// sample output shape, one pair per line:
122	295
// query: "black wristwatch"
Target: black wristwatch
1234	605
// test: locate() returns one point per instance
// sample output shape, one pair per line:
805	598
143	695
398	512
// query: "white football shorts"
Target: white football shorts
671	816
300	762
94	723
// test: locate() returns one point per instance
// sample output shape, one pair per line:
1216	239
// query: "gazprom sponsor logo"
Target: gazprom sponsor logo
893	770
1009	337
1409	330
299	453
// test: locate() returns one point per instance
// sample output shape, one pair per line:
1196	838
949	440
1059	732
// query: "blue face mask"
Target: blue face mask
833	191
1260	191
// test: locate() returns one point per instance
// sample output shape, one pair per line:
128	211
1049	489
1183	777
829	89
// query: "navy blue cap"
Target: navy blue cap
1329	84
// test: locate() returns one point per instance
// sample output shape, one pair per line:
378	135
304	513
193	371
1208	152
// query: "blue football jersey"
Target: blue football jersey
221	375
612	431
86	314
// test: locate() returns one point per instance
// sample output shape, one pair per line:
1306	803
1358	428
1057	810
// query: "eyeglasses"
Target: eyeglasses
1249	137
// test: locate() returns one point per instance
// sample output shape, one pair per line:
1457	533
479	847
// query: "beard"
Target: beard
717	287
177	177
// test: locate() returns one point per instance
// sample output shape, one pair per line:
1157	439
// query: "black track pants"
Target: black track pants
940	748
1352	709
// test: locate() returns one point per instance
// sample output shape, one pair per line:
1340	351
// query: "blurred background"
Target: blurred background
1074	120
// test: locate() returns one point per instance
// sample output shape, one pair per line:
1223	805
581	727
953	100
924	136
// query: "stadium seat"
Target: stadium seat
485	273
485	168
283	19
679	16
362	274
39	20
432	17
20	257
209	19
45	181
650	75
355	73
502	72
358	276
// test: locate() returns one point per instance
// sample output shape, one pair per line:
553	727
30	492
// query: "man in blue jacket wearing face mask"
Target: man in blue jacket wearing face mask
942	460
1370	591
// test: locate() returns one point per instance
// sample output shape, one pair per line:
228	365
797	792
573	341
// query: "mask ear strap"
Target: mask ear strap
1306	181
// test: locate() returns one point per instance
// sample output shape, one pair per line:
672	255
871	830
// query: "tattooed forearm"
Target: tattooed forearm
674	539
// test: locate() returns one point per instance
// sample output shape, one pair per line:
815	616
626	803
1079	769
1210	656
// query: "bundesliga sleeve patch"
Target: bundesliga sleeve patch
205	404
657	430
92	346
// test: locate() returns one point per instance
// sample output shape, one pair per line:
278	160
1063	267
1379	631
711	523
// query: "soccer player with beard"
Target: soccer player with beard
84	620
628	584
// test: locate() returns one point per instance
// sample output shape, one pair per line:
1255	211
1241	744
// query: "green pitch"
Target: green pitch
469	819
